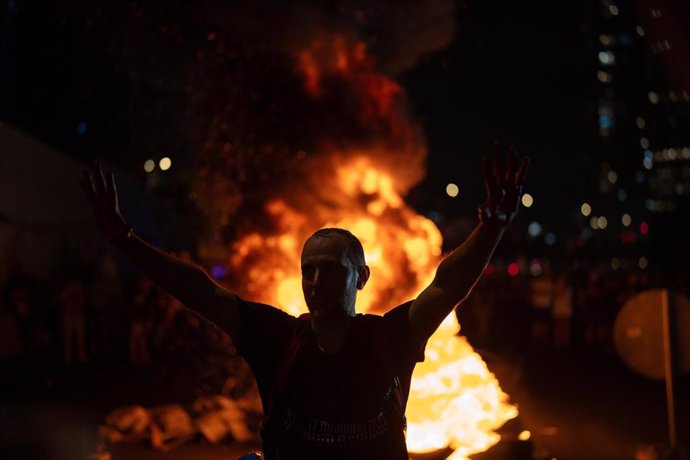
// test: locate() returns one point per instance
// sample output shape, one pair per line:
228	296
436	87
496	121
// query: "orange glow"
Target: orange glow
454	401
329	55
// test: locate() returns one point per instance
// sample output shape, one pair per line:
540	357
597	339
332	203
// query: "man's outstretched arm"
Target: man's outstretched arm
187	282
461	269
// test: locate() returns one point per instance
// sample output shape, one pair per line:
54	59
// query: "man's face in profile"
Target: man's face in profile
329	280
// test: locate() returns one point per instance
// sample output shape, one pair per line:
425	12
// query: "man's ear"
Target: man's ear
364	273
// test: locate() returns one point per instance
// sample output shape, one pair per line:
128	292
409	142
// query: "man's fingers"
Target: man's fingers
489	179
522	170
499	166
86	187
112	187
512	164
87	183
100	178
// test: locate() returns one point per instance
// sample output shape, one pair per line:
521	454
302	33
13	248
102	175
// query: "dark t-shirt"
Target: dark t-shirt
335	406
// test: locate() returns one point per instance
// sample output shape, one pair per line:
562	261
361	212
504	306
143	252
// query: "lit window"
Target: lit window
602	222
615	263
612	177
452	190
640	31
653	97
644	142
647	163
640	122
613	9
626	220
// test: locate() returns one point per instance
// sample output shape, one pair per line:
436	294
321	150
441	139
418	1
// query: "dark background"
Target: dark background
123	82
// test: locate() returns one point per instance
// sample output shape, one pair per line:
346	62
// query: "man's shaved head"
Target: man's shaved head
353	247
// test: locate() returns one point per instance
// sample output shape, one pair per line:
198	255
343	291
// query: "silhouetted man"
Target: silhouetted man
333	384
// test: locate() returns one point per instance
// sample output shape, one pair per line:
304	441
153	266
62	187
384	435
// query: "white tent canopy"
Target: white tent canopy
43	212
39	186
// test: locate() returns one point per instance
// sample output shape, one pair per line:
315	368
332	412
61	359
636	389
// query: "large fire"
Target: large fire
455	401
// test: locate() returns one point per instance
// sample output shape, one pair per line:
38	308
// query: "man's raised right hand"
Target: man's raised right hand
101	192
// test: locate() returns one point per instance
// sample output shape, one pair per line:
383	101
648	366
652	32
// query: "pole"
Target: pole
668	365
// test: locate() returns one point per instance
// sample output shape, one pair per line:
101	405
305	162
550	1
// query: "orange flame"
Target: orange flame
329	55
454	401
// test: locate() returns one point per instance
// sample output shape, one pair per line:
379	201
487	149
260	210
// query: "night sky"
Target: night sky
124	83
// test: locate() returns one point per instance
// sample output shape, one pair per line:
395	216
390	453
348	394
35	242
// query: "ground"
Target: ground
578	405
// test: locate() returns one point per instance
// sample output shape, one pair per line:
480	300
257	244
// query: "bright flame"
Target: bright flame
454	400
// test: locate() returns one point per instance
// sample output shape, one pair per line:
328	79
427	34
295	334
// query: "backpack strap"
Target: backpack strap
286	362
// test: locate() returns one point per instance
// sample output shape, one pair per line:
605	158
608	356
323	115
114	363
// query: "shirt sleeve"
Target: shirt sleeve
264	333
396	324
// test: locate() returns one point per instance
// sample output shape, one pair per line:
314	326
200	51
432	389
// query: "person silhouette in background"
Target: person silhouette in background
140	322
333	383
72	303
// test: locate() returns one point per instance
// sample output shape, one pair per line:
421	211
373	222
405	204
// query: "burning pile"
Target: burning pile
454	400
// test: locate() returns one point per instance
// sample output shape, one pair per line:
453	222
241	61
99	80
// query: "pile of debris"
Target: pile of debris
169	426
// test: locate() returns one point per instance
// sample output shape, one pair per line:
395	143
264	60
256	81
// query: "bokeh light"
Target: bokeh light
643	262
550	239
585	209
527	200
644	228
149	165
165	163
534	229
